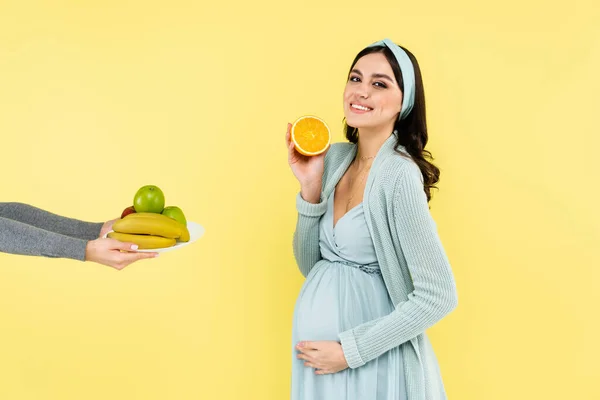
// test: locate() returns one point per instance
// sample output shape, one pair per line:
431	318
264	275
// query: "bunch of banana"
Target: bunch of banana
149	230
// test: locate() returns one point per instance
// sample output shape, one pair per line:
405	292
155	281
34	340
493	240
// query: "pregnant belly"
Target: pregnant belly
337	297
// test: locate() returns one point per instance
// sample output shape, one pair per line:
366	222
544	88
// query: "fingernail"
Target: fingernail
134	247
156	255
301	344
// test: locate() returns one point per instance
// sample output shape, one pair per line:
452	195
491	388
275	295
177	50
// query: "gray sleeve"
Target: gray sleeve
48	221
19	238
28	230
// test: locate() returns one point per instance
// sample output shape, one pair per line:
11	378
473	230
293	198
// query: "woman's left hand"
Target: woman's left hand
327	356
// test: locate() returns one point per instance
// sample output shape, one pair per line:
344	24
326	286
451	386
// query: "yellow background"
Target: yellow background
98	98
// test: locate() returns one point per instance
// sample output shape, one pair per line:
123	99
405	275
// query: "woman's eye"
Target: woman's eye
354	79
380	84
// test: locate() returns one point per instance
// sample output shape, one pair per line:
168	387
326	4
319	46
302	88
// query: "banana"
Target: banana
185	234
150	224
143	241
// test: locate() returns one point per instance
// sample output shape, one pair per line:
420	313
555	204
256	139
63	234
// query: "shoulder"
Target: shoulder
400	179
399	167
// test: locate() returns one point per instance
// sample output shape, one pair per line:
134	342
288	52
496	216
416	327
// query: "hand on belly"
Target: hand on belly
326	357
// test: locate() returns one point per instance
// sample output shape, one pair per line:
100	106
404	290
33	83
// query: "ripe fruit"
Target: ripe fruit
149	198
310	135
143	241
176	213
127	211
149	224
185	234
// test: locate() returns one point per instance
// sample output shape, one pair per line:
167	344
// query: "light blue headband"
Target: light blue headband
408	75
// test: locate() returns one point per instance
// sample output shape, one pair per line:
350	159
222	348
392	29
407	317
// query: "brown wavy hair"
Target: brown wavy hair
412	130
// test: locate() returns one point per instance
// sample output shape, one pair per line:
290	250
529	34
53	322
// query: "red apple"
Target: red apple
127	211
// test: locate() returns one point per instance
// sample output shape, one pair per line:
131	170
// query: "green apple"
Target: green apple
149	198
176	214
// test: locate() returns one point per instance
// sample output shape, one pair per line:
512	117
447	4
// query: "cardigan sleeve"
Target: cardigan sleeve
306	235
434	294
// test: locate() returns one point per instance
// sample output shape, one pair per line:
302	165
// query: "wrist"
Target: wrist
311	192
89	250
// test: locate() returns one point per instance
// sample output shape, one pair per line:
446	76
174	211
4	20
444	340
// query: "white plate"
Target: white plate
196	232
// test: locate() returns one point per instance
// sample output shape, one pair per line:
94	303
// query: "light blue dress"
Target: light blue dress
339	294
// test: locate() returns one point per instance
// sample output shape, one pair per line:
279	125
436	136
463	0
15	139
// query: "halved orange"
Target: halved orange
310	135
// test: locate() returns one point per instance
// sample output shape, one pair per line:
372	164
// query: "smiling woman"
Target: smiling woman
377	275
412	123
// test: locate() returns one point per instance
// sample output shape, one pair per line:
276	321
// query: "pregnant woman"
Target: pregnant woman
377	275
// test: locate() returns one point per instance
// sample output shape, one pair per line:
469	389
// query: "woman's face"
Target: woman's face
372	97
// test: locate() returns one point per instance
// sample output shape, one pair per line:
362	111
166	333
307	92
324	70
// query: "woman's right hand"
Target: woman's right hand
114	253
308	170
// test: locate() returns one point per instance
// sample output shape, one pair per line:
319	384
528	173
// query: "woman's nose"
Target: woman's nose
362	91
